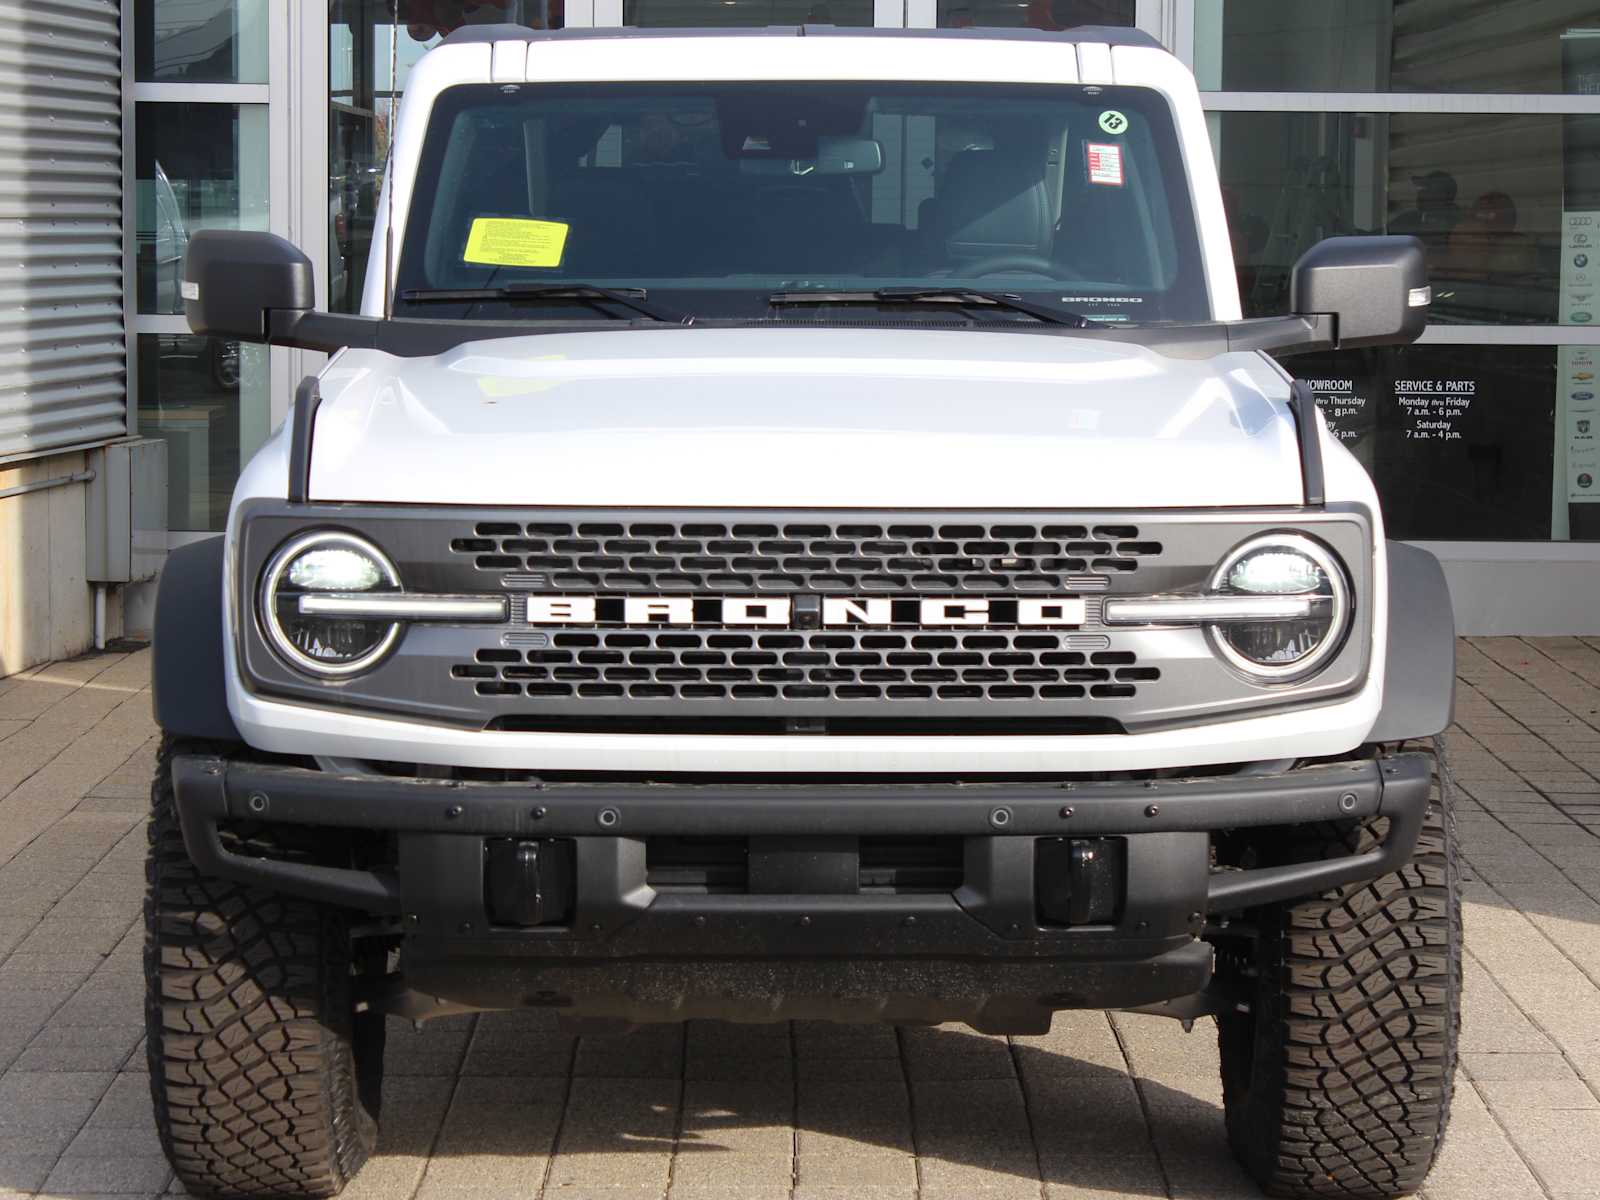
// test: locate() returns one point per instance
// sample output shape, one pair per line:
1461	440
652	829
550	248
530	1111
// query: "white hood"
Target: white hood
805	418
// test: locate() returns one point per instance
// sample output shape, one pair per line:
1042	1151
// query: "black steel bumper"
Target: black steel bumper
979	952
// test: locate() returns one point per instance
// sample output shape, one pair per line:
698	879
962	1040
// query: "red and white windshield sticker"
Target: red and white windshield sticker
1105	163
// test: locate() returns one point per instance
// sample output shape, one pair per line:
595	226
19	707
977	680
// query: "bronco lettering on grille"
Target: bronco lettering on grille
1031	612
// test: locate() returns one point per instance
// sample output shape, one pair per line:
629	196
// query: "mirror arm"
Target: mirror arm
307	329
1302	333
1283	335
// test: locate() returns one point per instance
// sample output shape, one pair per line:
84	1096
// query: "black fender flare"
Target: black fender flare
1419	678
188	678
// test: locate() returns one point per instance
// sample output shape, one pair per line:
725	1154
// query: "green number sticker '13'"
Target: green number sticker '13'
1112	121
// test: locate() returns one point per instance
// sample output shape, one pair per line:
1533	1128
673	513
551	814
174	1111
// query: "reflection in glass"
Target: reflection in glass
200	41
745	13
1384	45
1484	193
1033	14
207	398
1463	442
372	47
199	166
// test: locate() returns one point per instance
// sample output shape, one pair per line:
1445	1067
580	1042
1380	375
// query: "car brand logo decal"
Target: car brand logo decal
834	612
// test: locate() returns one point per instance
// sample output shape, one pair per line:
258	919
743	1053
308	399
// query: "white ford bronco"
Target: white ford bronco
800	529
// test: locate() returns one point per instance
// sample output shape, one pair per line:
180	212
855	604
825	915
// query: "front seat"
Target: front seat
991	204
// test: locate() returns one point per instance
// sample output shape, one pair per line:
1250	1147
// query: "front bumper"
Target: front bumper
979	952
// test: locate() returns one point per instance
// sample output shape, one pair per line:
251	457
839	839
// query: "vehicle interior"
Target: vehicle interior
814	185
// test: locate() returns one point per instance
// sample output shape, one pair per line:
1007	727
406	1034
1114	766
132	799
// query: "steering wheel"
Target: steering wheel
995	264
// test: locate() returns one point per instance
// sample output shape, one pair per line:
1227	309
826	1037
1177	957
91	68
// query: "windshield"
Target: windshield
713	198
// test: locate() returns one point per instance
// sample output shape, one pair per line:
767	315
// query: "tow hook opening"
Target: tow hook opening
529	882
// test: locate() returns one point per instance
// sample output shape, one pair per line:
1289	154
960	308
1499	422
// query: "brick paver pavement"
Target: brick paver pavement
506	1106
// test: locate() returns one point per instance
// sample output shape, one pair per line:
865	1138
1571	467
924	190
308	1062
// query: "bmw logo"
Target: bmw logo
1580	260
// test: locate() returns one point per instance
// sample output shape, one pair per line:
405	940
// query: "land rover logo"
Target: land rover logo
1030	612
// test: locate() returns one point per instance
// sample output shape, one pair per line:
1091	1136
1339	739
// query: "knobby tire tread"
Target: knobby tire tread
250	1023
1338	1081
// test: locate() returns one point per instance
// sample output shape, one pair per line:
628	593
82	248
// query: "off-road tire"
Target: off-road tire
264	1080
1337	1082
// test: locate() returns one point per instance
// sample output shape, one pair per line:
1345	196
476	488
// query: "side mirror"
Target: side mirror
1376	288
256	287
232	279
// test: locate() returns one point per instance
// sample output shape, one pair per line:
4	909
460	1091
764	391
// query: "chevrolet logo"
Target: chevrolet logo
1031	612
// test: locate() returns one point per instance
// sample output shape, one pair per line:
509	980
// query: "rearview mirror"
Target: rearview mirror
1376	288
849	155
232	279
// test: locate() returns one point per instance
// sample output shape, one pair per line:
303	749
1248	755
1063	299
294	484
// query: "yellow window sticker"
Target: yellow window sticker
516	242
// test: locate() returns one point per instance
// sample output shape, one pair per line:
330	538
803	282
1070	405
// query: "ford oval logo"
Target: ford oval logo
1582	318
1583	397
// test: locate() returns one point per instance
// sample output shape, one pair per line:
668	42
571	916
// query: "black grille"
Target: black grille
711	557
828	665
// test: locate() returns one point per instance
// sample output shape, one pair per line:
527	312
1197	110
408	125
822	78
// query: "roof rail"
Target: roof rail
1115	35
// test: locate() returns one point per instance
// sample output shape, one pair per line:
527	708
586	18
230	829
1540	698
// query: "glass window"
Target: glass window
1389	46
200	41
1486	195
714	196
199	166
372	48
1480	443
736	13
208	399
1035	14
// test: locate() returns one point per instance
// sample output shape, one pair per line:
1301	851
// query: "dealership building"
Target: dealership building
128	125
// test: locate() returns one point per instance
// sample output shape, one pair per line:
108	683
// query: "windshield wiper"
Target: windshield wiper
958	296
583	293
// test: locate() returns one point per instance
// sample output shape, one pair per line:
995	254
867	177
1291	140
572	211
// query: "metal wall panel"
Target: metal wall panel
63	354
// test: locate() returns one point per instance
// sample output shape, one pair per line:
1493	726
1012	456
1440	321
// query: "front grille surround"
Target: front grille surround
519	676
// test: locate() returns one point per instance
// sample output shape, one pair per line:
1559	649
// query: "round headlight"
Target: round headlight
1286	566
322	643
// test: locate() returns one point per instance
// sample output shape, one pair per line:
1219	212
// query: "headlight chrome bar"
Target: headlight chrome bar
1208	610
403	606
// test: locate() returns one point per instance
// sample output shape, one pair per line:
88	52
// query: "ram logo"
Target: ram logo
831	612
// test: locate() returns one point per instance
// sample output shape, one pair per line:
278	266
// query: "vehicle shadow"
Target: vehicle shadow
833	1110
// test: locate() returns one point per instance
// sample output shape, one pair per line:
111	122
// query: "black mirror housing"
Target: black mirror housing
233	278
1376	288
